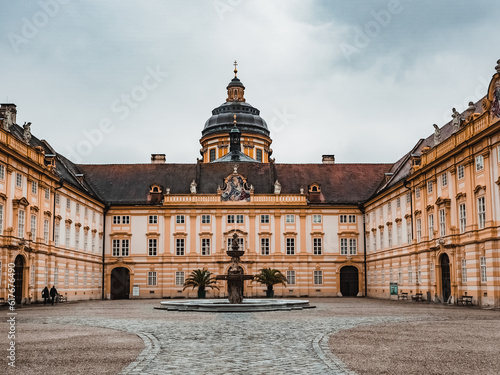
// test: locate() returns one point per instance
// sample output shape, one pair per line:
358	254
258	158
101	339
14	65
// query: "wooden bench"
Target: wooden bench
417	297
464	300
403	296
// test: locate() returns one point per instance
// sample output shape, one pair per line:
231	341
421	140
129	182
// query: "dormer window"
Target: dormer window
314	188
155	189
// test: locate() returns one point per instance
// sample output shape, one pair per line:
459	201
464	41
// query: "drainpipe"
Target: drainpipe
364	249
106	209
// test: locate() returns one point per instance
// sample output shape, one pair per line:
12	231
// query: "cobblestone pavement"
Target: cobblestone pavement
281	342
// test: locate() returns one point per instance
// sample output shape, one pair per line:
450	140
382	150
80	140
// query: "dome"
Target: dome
248	119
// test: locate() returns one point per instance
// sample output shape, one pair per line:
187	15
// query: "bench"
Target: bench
403	296
417	297
464	300
61	298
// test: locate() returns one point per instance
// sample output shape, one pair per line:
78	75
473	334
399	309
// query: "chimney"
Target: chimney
328	159
158	158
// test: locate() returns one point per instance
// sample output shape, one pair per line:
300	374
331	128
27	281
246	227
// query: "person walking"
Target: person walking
45	295
53	293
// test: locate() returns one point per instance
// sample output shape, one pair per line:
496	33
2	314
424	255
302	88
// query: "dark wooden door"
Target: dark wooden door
120	283
349	285
18	283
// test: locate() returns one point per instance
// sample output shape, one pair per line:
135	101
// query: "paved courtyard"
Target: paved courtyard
339	336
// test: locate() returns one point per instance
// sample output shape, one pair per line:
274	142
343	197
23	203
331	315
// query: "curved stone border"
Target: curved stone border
151	350
322	349
221	305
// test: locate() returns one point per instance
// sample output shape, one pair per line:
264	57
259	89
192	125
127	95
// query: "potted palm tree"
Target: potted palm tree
201	279
270	277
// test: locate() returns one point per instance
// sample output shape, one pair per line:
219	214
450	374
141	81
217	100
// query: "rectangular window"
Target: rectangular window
33	227
290	219
241	243
343	219
264	219
205	246
264	246
318	277
77	208
179	246
76	277
20	224
230	219
400	276
389	237
47	193
444	179
391	275
125	248
57	230
430	187
152	247
259	155
205	219
374	240
353	246
68	204
212	154
153	219
343	246
462	215
239	219
46	227
66	277
152	278
479	163
93	243
2	172
125	219
180	219
482	262
116	219
460	172
417	192
85	240
290	246
77	238
419	275
352	219
442	222
86	212
389	207
419	229
66	238
317	246
408	198
432	272
85	278
290	277
179	278
316	219
381	238
431	226
481	213
398	202
399	230
57	198
34	187
19	180
408	232
116	248
32	274
410	274
464	271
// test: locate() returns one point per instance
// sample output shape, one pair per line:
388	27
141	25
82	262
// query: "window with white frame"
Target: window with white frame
205	219
77	238
153	219
152	278
352	219
47	193
2	172
389	237
205	246
399	230
57	198
419	229
318	278
290	219
56	276
76	278
432	272
479	163
419	274
46	275
20	224
152	246
444	179
231	219
179	278
116	248
264	219
125	247
34	187
33	227
460	172
408	232
46	227
19	180
290	246
481	213
389	207
464	271
431	226
410	274
66	277
316	219
180	246
68	204
462	215
482	263
400	276
391	275
417	192
85	278
398	202
442	222
381	238
343	219
382	276
353	246
126	219
32	274
343	246
57	231
93	242
408	198
264	246
77	208
290	277
85	240
374	241
317	248
117	219
430	187
86	212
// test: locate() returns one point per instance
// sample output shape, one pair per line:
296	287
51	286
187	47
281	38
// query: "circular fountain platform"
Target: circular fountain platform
221	305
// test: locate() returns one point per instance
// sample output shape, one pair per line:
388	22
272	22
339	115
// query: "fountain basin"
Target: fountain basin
222	305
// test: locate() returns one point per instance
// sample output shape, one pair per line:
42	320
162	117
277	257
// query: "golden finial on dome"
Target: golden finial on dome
235	70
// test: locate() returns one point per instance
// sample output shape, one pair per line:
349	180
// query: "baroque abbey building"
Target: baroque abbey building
428	223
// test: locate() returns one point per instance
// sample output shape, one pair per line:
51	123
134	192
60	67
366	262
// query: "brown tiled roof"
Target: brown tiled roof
124	184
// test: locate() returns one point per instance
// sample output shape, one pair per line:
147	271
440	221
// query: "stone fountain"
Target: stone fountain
235	275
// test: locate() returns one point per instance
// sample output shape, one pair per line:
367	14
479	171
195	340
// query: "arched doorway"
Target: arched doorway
18	283
120	283
445	277
349	285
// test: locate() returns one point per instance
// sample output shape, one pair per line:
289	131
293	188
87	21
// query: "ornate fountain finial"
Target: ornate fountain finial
236	70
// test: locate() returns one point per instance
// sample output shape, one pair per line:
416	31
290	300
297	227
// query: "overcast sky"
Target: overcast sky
114	81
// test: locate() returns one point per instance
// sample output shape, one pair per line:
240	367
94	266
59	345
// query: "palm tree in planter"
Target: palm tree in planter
201	279
270	277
